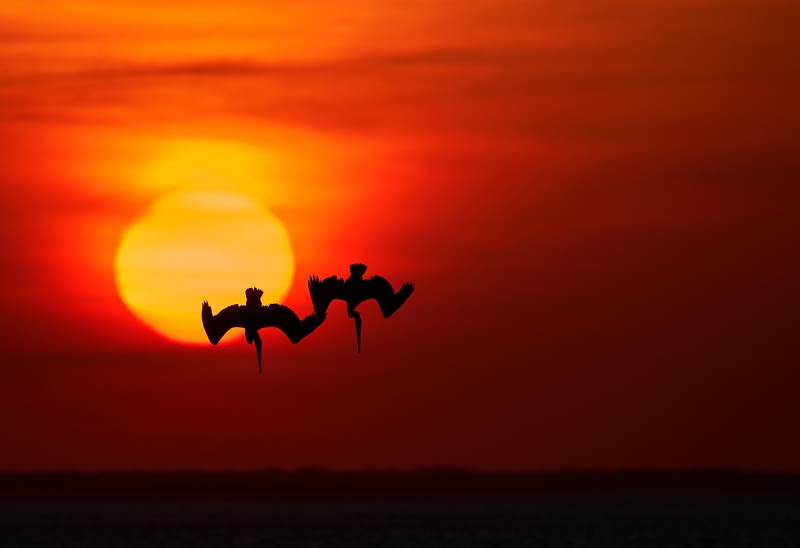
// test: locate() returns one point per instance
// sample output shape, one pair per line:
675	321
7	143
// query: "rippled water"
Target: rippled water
397	520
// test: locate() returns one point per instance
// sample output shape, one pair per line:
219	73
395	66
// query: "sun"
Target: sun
200	245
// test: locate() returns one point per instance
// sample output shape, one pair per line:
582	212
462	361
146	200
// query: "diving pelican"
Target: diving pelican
354	290
254	316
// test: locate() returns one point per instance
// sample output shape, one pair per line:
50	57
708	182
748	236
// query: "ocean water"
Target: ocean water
385	520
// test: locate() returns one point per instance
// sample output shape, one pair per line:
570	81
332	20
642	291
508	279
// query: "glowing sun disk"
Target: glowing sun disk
197	245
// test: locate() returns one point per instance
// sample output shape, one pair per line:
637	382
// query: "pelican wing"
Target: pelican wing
217	325
323	292
284	318
382	291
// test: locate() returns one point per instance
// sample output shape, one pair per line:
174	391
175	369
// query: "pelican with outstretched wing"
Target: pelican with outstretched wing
354	290
254	316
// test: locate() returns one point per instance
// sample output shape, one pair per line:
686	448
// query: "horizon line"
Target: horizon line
416	481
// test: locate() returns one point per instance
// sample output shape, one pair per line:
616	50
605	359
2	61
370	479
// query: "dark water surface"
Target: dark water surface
399	520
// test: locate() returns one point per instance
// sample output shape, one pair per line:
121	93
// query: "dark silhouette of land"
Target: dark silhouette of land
422	481
254	316
354	290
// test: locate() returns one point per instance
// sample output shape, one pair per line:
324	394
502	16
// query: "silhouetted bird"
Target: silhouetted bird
254	316
355	290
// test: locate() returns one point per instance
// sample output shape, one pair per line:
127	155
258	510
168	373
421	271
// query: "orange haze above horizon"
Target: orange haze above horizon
598	205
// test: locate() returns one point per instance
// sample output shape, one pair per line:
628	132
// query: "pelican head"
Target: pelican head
357	270
253	296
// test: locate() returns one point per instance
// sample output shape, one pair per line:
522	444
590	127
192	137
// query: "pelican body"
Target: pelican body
355	290
254	316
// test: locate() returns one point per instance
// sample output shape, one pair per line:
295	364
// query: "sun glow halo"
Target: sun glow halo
196	245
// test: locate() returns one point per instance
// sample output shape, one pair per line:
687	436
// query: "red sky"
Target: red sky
599	204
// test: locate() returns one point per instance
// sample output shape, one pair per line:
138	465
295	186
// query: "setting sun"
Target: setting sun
198	245
598	204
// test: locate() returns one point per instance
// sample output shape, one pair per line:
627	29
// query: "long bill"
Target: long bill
357	318
257	341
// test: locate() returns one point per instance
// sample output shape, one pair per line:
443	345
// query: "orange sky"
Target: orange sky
599	206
